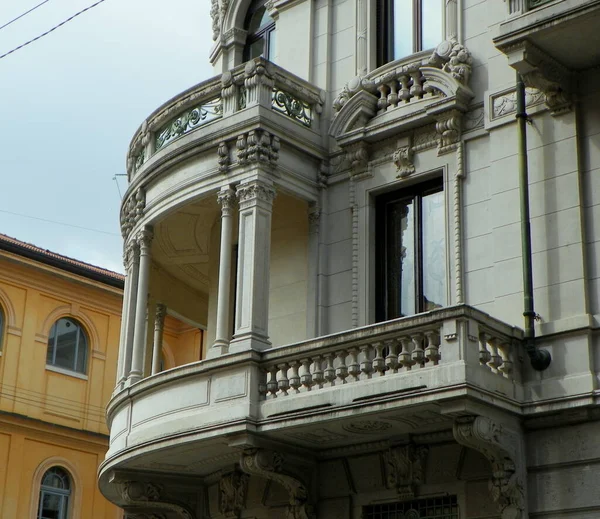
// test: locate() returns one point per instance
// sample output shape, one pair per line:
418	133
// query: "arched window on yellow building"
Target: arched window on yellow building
67	346
55	491
2	328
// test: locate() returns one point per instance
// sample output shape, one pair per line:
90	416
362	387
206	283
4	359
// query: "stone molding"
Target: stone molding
501	447
233	488
405	469
270	465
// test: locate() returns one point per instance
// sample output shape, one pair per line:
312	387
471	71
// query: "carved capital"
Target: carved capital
404	469
314	217
270	465
159	317
233	488
501	448
254	192
226	199
403	158
448	128
131	254
543	72
144	240
132	211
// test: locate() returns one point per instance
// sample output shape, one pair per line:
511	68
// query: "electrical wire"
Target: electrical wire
50	30
59	223
25	13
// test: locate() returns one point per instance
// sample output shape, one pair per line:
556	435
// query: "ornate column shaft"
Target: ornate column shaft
226	199
159	325
144	239
254	251
133	260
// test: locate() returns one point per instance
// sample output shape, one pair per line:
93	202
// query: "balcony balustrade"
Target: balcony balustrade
416	364
255	83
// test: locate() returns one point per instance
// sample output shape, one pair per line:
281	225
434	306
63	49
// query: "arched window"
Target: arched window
55	491
261	32
2	326
67	346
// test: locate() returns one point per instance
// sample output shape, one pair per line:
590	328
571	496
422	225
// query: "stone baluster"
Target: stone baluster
405	88
416	90
318	375
405	357
366	366
484	354
495	359
329	369
432	352
306	378
295	377
382	103
392	97
283	382
341	371
418	354
354	366
507	364
272	386
378	360
391	359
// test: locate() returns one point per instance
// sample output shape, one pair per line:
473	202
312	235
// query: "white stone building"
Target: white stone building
344	208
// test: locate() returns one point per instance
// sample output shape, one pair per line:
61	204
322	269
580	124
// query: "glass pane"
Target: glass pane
81	364
52	506
272	46
432	29
256	48
434	251
403	28
400	258
260	19
56	478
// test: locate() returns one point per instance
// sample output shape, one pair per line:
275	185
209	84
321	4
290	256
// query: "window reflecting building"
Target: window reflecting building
382	216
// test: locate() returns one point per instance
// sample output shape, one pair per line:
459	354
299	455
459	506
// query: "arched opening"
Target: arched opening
261	38
55	492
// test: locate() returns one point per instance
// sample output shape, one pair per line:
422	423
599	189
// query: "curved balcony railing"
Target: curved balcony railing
257	82
438	352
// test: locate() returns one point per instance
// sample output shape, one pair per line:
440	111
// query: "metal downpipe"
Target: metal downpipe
540	359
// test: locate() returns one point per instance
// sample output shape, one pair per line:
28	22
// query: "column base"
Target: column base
217	349
132	379
249	341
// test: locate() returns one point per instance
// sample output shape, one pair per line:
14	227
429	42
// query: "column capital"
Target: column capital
144	239
226	199
130	254
251	193
161	312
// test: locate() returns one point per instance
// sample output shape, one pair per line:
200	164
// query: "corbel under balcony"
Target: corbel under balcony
404	95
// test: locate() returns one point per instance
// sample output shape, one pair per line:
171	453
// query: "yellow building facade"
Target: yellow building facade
60	325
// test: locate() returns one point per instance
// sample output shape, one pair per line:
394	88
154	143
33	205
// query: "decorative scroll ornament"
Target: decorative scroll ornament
232	494
269	465
294	108
405	469
258	146
358	157
448	127
501	448
132	211
403	158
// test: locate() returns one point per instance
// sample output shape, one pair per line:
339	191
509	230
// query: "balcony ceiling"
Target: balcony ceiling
182	246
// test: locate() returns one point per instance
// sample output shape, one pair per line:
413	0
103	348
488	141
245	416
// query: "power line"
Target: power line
21	15
50	30
59	223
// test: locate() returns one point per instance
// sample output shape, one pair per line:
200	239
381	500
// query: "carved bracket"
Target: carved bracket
233	489
270	465
501	448
543	72
403	158
258	146
404	469
357	156
448	127
147	500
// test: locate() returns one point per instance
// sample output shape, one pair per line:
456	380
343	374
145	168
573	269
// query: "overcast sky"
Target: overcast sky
70	102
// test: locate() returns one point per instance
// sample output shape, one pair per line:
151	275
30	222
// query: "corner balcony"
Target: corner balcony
548	41
413	375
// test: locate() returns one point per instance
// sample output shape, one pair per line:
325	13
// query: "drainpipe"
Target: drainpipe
540	359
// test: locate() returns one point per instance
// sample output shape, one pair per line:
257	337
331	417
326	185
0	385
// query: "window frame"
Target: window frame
265	32
414	192
81	332
64	494
385	30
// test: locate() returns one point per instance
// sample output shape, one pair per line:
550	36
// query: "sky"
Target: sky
70	103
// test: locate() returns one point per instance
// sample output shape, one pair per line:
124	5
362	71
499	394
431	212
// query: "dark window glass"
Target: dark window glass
54	494
445	507
67	346
411	251
408	26
260	40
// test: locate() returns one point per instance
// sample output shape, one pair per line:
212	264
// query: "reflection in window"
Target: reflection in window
55	491
411	251
261	32
408	26
67	346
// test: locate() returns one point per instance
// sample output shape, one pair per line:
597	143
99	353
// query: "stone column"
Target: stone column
144	240
254	251
226	199
132	255
314	270
159	325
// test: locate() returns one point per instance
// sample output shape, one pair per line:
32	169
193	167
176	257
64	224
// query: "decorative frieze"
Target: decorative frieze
501	447
258	146
405	469
233	489
132	211
505	103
